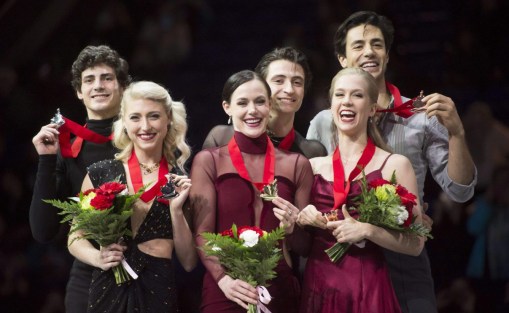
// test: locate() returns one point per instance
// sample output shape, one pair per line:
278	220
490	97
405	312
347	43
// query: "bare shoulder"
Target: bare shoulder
321	165
398	163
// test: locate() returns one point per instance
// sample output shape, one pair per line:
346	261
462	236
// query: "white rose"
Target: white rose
402	215
250	238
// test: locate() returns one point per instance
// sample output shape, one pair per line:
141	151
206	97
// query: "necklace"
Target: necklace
148	169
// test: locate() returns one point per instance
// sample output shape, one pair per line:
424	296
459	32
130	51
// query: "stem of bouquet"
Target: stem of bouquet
337	251
121	274
251	308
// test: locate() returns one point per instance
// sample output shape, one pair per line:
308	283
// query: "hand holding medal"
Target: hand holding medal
46	140
168	190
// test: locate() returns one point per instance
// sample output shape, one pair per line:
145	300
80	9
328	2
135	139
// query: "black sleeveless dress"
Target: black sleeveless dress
154	290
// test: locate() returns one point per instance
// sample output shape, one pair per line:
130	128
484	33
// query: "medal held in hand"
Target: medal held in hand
417	101
57	119
168	190
331	216
269	191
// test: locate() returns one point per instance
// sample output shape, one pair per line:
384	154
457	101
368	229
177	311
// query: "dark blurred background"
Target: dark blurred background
457	47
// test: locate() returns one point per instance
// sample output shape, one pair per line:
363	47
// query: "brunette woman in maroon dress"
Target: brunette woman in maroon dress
359	282
226	190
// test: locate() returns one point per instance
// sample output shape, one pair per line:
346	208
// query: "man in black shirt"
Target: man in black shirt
99	77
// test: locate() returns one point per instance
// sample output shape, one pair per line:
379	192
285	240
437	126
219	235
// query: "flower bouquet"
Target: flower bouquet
102	215
247	253
385	204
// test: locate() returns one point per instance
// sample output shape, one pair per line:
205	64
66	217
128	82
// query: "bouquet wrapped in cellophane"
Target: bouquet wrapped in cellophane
101	214
385	204
247	253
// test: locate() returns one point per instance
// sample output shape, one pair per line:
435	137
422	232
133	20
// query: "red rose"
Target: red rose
253	228
378	182
111	188
227	233
407	198
102	202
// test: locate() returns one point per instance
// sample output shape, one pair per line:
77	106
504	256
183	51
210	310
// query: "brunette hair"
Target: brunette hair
240	78
289	54
91	56
363	18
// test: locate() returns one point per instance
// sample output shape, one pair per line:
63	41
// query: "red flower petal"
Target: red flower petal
101	202
378	182
253	228
111	188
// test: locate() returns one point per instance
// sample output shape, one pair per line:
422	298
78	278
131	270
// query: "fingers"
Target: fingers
345	212
111	256
338	230
238	291
244	293
437	103
182	181
182	187
427	221
286	212
445	111
47	135
287	208
312	217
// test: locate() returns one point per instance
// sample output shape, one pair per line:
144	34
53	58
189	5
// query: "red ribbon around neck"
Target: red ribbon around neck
137	179
287	142
400	108
82	133
238	163
340	186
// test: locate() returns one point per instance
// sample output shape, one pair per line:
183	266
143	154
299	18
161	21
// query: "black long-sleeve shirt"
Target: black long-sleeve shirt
59	178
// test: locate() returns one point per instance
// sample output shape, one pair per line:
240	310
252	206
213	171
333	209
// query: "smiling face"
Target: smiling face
351	104
286	80
365	48
146	123
100	92
249	108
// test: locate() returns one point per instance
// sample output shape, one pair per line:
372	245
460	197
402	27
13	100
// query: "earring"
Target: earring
229	119
370	120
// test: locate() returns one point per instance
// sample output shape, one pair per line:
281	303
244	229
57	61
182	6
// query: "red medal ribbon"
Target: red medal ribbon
341	188
238	163
82	133
137	180
400	108
287	142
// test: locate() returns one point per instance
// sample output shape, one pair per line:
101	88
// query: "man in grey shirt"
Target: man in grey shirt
431	138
